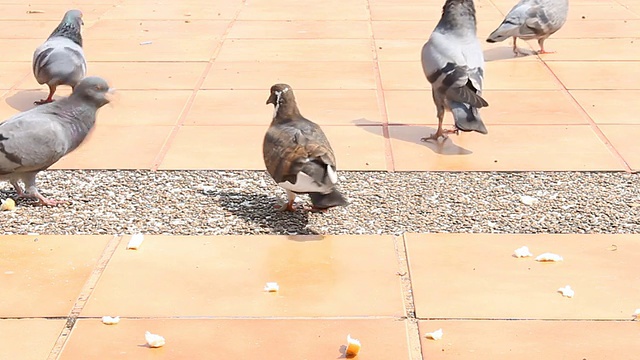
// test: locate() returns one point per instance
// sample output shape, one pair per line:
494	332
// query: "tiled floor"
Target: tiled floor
205	296
194	98
352	63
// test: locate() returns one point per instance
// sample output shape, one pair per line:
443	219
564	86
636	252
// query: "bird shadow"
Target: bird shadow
24	100
502	53
258	210
343	352
413	134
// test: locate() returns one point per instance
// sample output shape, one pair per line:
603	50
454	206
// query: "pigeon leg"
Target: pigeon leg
517	51
52	90
32	191
291	197
440	131
542	50
17	187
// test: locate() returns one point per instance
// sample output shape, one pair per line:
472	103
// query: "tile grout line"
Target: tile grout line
413	333
85	292
599	133
382	103
189	104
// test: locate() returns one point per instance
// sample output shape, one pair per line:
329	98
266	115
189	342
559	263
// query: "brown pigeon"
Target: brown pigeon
298	155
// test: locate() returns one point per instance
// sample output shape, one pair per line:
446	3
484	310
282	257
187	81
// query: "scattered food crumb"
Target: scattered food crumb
549	257
208	190
8	205
522	252
272	287
35	12
528	200
613	247
153	340
146	43
135	242
108	320
436	335
636	315
353	347
566	291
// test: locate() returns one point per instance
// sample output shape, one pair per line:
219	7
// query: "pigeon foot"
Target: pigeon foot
440	133
288	207
50	202
43	101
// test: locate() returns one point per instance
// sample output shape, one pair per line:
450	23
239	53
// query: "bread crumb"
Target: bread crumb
567	291
153	340
272	287
522	252
135	242
108	320
549	257
353	347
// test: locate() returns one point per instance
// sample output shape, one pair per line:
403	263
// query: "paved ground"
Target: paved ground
193	77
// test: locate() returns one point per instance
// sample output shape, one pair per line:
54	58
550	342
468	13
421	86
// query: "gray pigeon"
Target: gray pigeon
34	140
60	60
298	155
453	63
532	19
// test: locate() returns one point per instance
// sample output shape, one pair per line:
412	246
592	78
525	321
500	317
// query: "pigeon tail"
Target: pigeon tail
467	118
326	201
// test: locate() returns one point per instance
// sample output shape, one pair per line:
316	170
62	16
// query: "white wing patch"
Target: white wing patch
306	184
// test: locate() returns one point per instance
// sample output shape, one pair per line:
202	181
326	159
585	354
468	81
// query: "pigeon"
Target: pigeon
34	140
532	19
453	63
60	60
298	155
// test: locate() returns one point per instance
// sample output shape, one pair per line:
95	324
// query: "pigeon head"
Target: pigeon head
93	90
70	26
73	17
457	14
284	101
280	94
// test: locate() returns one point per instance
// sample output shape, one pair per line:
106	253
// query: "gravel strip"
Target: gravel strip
241	202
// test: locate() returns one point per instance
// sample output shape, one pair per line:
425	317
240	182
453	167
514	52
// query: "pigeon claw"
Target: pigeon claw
440	133
43	101
50	202
288	207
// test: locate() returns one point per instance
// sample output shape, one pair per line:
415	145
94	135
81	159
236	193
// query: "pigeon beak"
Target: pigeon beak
271	99
112	96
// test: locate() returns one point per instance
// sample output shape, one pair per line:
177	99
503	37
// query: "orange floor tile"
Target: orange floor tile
247	338
225	276
480	279
28	339
548	148
531	340
42	276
